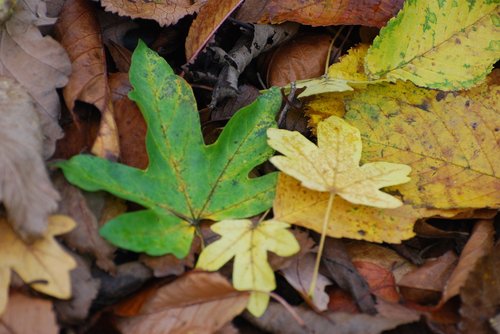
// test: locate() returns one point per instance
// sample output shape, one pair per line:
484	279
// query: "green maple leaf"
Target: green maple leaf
186	181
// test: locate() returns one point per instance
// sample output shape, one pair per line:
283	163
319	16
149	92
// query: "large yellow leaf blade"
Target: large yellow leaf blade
451	141
249	244
333	165
44	260
445	44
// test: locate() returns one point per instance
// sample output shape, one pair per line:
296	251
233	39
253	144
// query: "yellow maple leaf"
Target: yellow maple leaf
43	264
249	243
333	165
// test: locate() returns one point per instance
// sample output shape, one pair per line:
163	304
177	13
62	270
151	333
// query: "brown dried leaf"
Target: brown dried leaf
278	320
480	243
481	294
40	65
85	237
164	12
26	190
300	273
303	57
78	31
425	284
27	315
130	123
198	302
211	16
320	13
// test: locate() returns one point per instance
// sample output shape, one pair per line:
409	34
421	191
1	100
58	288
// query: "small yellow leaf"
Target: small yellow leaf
249	243
333	165
257	304
43	264
350	67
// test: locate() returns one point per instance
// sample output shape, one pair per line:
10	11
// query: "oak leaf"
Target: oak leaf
170	188
249	243
43	264
447	44
25	188
333	165
49	67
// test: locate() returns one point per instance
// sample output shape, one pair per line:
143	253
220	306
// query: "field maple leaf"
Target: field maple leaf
186	181
248	243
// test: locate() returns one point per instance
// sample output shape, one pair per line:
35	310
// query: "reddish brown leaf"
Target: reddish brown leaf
481	294
425	284
373	13
198	302
130	123
209	19
78	31
380	280
27	315
480	243
163	12
303	57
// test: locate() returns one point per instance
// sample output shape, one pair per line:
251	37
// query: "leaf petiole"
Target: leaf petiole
321	245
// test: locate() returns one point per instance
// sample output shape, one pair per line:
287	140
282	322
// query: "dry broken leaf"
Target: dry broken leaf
49	67
198	302
26	190
43	264
320	13
300	273
249	243
164	12
481	294
78	31
450	140
425	284
211	16
27	315
479	244
85	237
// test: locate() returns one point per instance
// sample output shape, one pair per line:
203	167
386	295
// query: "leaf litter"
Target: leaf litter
441	222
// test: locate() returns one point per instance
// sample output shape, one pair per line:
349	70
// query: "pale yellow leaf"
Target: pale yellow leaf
249	243
333	165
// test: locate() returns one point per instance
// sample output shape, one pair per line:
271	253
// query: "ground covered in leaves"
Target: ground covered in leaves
248	166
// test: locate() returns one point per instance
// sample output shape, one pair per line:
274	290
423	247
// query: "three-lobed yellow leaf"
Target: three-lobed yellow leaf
249	243
44	265
333	165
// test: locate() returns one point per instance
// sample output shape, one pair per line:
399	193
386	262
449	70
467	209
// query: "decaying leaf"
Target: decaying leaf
479	244
43	264
164	12
194	303
481	294
300	273
320	13
249	243
178	159
450	140
211	16
446	44
78	31
25	187
333	165
26	315
40	65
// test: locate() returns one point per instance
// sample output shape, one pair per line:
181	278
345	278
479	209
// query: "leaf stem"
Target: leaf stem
321	244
